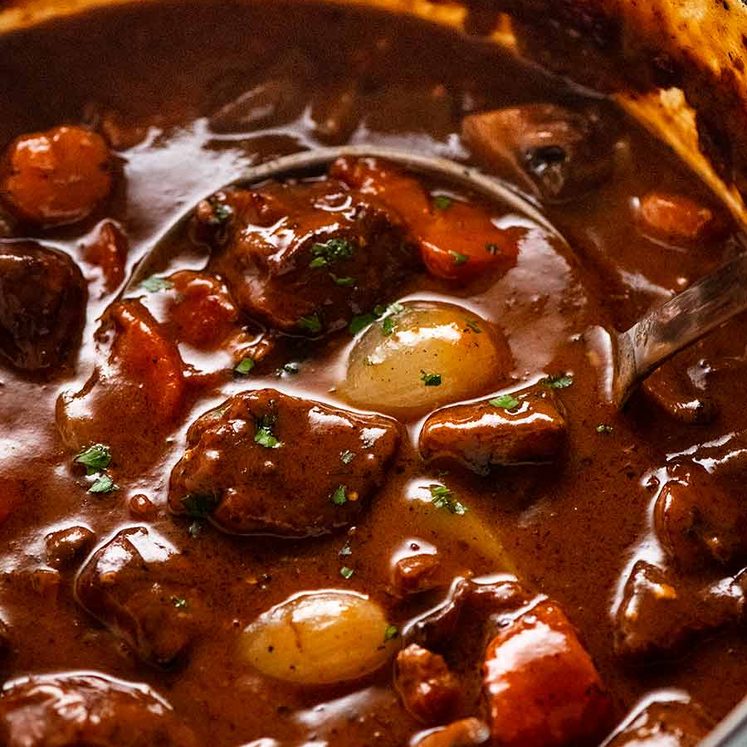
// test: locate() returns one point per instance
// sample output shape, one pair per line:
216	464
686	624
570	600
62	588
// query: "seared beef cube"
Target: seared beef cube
698	523
560	153
429	690
667	723
140	588
305	258
42	305
658	612
507	430
268	463
72	710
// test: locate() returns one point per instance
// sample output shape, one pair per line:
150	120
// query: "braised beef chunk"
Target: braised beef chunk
505	430
268	463
660	611
64	546
87	710
42	305
663	723
697	522
562	153
306	257
140	588
429	690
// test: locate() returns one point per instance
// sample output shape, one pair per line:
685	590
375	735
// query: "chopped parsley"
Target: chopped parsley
345	282
198	506
220	212
474	326
103	484
179	602
264	435
153	284
311	323
340	496
95	458
385	313
492	249
345	550
346	572
604	428
459	258
347	456
442	202
195	529
244	366
430	379
390	633
328	252
360	322
291	368
561	381
505	402
442	497
387	326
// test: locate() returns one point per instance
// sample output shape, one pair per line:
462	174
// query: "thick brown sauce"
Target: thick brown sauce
569	532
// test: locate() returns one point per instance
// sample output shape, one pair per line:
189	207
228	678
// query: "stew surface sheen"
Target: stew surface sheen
340	471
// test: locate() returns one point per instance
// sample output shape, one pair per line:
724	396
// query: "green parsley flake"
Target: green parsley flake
505	402
103	484
221	213
340	496
390	633
345	550
604	428
311	323
244	366
346	572
492	249
347	456
442	202
179	602
345	282
264	435
198	506
442	497
95	458
387	326
561	381
430	379
459	258
328	252
360	322
153	284
195	529
474	326
291	368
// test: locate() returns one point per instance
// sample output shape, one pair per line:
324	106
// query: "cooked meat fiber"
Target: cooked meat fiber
306	257
268	463
42	305
72	710
139	587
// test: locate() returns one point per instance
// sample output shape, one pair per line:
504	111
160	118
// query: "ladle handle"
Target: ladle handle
678	323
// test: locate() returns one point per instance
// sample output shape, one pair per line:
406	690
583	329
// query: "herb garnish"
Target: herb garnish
345	282
179	602
345	550
220	213
340	496
346	572
244	366
458	257
474	326
604	428
328	252
492	249
95	458
153	284
385	313
430	379
311	323
391	632
505	402
103	484
560	381
442	497
264	435
347	456
442	202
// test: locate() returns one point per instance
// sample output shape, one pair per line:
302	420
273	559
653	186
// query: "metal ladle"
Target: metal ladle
628	357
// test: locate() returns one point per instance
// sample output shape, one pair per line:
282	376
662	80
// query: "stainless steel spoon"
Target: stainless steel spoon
627	357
